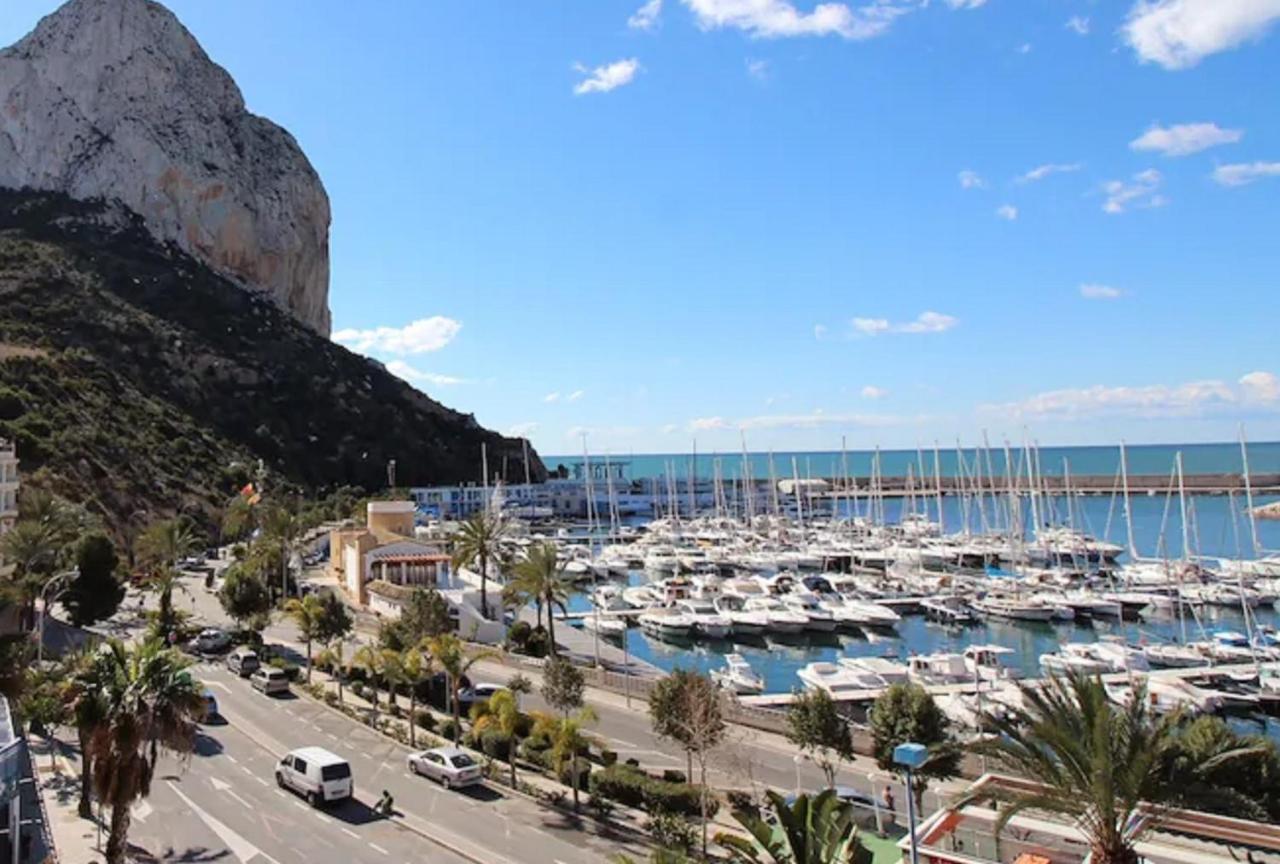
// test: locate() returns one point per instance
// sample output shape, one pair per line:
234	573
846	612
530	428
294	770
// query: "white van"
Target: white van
316	774
243	662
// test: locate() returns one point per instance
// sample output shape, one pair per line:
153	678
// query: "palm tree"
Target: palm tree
309	615
237	518
1113	770
372	660
811	830
334	655
501	714
162	545
34	549
283	527
418	666
152	703
449	652
478	542
393	672
540	575
567	741
85	693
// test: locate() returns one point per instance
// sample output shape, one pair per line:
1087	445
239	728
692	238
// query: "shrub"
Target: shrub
330	698
671	831
359	690
632	762
425	720
626	785
395	710
518	635
538	644
608	757
496	745
524	725
601	806
583	767
671	775
447	729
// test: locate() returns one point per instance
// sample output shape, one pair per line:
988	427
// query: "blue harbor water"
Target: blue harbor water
1220	528
1147	459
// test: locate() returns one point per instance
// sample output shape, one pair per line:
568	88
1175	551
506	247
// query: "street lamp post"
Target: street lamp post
45	600
911	756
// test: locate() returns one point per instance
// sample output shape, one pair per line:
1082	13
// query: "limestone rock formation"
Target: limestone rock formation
114	99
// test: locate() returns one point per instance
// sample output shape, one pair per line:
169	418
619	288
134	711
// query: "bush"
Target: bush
608	757
425	720
626	785
585	774
742	802
359	690
518	635
395	710
601	806
632	762
524	725
447	728
496	745
672	831
671	775
538	644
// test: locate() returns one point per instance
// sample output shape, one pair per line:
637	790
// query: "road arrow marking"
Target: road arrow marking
224	786
237	845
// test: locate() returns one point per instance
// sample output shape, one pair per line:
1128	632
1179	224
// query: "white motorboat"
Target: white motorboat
929	669
986	664
948	609
837	680
1073	657
1014	609
889	671
1173	656
781	619
820	620
640	596
1166	695
845	618
870	614
745	623
667	623
610	598
706	620
612	626
737	676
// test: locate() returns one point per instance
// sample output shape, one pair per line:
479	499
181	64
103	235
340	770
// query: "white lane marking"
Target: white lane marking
246	770
218	684
233	760
261	782
376	848
335	737
350	833
324	818
239	847
223	786
300	805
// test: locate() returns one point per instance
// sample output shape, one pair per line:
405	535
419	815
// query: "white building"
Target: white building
8	485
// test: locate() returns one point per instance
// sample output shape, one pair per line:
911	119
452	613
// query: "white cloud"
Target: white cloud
405	372
1184	139
646	17
811	420
1243	173
819	331
772	19
970	180
703	424
575	396
1024	48
873	392
1178	34
758	69
1153	401
1260	387
925	322
1094	291
670	429
966	4
418	337
1141	191
1042	171
522	430
1078	25
602	79
552	397
1007	211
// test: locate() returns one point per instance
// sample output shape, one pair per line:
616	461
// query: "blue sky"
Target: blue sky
795	221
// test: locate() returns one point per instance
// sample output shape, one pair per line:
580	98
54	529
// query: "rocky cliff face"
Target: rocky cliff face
115	99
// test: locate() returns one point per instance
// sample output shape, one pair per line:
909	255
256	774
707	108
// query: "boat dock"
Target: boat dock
783	700
901	605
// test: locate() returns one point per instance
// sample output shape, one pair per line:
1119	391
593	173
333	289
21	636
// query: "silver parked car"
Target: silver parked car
450	766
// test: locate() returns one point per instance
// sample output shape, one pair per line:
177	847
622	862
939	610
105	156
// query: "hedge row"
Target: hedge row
632	787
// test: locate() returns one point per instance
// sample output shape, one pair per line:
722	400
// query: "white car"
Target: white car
478	693
316	774
269	680
211	641
450	766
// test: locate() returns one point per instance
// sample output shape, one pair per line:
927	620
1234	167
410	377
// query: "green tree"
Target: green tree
162	545
335	619
44	708
815	726
685	707
540	576
373	660
907	713
96	593
35	550
562	685
501	714
568	741
244	596
90	673
477	543
239	518
152	705
812	830
307	615
1247	785
334	656
418	666
1096	763
450	654
425	615
281	530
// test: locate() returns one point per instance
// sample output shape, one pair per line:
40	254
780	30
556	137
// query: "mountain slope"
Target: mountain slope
134	378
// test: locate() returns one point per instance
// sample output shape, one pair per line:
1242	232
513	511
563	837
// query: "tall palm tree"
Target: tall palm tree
478	542
540	575
152	705
282	527
372	660
334	655
90	674
309	616
811	830
418	666
450	654
162	545
1112	769
393	672
500	713
34	549
568	739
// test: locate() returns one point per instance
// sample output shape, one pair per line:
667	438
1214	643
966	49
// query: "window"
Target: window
462	760
435	759
299	765
341	771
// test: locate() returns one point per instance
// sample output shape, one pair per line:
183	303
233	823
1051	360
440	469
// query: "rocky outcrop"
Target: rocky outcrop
114	99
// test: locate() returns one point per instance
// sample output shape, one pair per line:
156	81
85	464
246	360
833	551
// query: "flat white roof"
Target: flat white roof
392	507
318	755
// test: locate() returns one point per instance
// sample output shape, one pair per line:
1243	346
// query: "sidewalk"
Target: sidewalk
74	838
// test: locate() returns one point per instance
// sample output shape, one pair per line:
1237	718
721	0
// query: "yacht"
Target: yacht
985	662
744	623
1014	609
889	671
870	614
949	609
837	680
1174	656
706	620
1169	694
781	619
612	626
929	669
737	676
820	620
1074	657
667	623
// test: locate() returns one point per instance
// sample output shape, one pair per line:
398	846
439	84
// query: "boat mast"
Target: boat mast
1186	542
937	477
1248	496
1128	512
